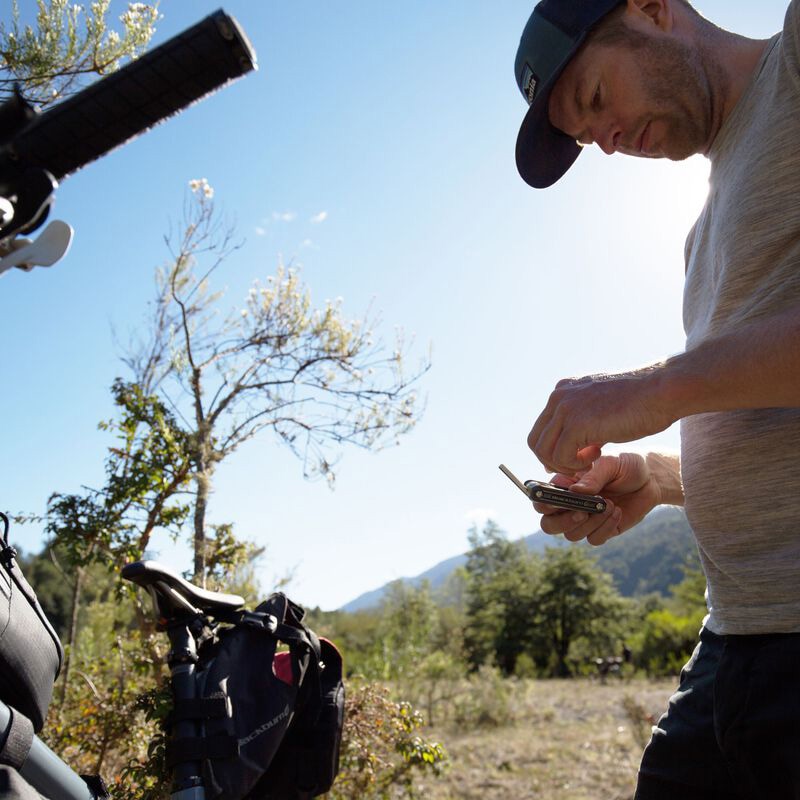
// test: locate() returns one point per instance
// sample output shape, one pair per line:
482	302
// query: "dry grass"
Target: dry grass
570	740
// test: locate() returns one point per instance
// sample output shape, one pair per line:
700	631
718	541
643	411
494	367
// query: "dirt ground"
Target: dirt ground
572	740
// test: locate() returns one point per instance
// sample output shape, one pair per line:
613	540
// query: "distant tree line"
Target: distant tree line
527	614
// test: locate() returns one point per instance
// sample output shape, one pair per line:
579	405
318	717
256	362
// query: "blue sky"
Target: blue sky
374	148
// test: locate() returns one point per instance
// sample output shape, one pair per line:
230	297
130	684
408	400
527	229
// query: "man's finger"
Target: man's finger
545	510
570	456
564	480
543	446
603	471
545	420
590	524
560	522
542	421
608	530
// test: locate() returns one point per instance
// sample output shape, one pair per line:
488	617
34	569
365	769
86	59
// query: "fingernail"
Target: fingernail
580	516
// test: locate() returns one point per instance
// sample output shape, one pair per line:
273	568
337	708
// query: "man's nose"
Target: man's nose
605	136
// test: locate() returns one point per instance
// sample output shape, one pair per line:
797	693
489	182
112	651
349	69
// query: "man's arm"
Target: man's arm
756	366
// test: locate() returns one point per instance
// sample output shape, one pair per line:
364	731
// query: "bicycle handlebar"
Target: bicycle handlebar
37	150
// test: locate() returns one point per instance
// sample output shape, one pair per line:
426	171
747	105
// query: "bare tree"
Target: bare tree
314	378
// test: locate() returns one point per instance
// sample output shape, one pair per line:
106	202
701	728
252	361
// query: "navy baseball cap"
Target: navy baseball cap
554	33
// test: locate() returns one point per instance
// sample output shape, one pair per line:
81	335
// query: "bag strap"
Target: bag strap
289	633
214	707
200	748
18	741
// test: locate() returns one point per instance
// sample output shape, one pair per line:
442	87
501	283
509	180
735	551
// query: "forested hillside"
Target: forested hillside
648	558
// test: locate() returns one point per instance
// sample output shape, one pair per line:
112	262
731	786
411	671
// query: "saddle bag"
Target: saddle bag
269	720
307	760
30	651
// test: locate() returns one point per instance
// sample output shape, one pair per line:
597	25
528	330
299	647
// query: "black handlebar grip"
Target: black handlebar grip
117	108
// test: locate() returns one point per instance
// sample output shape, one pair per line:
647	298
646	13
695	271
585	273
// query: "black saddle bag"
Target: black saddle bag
30	651
269	718
307	760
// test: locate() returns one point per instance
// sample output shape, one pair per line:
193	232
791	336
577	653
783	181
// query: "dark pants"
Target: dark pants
732	730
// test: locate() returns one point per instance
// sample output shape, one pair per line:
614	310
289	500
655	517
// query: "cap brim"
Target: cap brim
544	153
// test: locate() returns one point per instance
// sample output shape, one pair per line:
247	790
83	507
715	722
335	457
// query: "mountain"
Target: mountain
650	557
436	577
647	558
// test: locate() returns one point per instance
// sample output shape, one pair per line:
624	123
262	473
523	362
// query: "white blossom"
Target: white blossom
201	185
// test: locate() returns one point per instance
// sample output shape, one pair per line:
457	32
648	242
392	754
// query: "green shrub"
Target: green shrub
484	700
383	755
665	642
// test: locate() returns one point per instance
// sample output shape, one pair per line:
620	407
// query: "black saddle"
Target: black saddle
175	596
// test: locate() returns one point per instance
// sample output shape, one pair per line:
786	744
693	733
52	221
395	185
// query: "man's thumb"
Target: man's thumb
601	473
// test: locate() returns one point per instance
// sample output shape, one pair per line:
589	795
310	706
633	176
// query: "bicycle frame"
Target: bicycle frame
46	772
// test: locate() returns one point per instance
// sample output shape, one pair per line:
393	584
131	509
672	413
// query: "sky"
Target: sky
373	149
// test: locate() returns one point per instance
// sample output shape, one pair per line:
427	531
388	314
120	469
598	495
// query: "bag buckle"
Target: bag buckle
260	620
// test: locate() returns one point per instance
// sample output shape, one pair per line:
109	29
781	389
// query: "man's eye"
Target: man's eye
596	99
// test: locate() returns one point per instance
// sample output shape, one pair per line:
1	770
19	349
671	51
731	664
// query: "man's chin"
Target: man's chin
675	155
682	156
641	154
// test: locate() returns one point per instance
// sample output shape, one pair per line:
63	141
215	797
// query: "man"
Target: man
652	78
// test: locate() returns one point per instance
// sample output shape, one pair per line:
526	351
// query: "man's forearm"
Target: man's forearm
756	366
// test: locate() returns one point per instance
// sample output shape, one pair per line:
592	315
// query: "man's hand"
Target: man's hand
632	484
583	414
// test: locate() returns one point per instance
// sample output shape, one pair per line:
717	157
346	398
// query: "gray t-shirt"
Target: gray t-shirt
740	469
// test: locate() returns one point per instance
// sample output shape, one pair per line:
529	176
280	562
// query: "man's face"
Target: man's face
650	100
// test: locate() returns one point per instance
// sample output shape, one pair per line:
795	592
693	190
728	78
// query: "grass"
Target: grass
567	740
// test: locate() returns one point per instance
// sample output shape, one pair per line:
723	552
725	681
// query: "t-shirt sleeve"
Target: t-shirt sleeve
791	37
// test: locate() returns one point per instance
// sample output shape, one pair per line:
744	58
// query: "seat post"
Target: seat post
187	613
182	660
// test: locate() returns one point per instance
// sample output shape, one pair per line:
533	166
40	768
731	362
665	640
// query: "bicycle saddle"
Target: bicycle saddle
172	593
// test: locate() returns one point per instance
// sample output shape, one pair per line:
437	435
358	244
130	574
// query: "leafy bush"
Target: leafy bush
665	642
383	755
97	722
485	700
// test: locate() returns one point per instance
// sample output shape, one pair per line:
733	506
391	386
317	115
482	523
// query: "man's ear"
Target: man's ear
644	14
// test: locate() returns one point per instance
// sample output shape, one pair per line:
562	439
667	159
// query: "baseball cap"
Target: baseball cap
555	31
